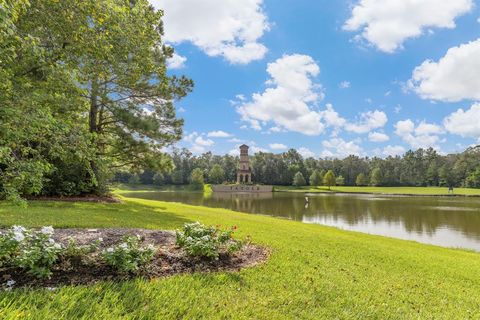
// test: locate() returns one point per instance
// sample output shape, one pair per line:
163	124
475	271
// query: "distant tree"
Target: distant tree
473	180
216	174
196	179
446	176
432	175
299	180
361	180
340	181
322	174
134	179
158	179
329	179
376	177
177	177
316	178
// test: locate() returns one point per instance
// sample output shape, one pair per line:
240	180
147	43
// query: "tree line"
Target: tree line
84	91
422	167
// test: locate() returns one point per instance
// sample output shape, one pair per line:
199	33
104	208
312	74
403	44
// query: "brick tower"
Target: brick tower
244	172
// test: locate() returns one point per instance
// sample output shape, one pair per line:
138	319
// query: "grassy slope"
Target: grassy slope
314	272
385	190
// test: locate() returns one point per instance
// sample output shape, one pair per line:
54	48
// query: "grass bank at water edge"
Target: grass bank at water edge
434	191
314	272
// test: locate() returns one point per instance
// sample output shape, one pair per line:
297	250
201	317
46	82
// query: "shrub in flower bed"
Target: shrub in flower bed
207	241
33	251
44	258
129	256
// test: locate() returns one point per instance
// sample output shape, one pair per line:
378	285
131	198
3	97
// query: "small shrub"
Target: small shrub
129	256
207	241
78	254
33	251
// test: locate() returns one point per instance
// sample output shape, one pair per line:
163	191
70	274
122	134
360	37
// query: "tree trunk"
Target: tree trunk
93	128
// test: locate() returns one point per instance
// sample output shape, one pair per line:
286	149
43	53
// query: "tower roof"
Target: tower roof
244	146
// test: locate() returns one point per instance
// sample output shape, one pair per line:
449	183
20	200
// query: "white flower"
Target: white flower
123	246
51	241
47	230
18	236
10	283
110	250
19	229
57	246
100	239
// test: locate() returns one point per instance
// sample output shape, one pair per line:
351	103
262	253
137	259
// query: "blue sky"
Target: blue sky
329	78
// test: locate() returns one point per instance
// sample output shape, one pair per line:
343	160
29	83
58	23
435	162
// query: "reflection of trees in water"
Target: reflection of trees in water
415	214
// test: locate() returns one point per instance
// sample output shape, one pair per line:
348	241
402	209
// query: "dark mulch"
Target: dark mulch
85	198
169	260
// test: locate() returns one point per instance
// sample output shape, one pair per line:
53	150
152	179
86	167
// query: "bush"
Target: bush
129	256
196	180
209	242
33	251
299	180
79	254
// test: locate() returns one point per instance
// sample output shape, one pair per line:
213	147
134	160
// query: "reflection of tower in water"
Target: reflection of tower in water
244	202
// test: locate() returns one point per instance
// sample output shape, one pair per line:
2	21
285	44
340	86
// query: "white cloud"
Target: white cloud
344	85
240	97
368	121
331	117
278	146
204	142
424	135
339	148
176	62
198	144
465	123
256	149
387	24
453	78
288	101
305	152
219	134
228	28
393	150
378	137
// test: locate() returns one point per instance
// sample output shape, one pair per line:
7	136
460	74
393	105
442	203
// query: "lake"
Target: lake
444	221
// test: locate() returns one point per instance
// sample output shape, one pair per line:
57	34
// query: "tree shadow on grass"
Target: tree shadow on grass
90	215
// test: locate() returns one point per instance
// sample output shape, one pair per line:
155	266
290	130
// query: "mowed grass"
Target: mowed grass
314	272
384	190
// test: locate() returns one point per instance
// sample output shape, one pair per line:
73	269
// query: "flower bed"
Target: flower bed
85	256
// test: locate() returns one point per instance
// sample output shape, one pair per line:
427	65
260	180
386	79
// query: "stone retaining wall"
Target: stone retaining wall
241	188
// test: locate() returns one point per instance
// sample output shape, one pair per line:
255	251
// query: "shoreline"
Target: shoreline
381	194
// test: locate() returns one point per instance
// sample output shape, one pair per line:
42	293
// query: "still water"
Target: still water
444	221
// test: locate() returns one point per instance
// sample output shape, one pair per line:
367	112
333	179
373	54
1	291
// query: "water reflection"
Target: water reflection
452	222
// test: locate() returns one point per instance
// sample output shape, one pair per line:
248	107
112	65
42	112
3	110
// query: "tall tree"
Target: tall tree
216	174
361	180
316	178
197	179
299	180
329	179
376	177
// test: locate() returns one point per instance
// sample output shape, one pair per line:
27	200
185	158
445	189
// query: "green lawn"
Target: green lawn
384	190
314	272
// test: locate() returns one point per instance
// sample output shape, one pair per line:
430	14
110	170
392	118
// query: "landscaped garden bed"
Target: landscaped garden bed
86	256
